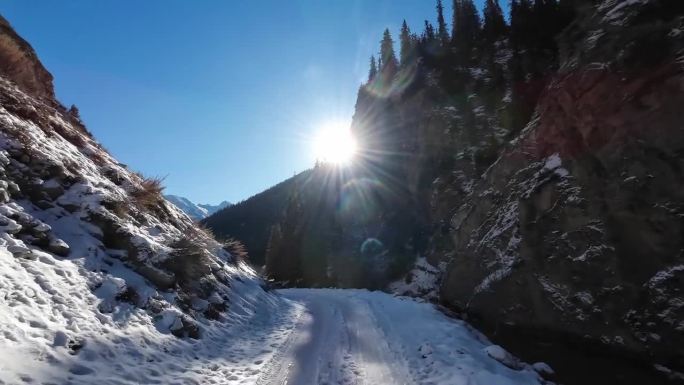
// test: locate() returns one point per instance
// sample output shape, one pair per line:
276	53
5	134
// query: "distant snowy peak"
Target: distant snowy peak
211	209
194	210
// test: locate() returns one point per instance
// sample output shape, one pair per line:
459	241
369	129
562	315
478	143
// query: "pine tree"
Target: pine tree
466	28
471	19
73	111
389	59
283	255
494	24
406	43
456	20
442	33
429	32
373	71
272	259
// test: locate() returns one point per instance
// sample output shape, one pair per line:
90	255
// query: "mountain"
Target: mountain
102	279
194	210
528	179
250	221
212	209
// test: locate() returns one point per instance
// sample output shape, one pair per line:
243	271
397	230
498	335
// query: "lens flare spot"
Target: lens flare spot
334	143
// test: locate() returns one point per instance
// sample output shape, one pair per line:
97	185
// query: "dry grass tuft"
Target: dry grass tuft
190	259
149	194
237	249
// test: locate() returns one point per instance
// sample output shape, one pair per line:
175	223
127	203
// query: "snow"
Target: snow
304	336
422	281
47	306
664	275
194	210
542	367
363	337
615	10
500	354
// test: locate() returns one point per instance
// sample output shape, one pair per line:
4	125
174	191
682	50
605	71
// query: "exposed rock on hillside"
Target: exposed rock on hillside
577	228
19	62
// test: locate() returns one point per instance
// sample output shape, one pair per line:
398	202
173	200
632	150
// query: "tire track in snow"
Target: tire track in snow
337	341
276	372
376	359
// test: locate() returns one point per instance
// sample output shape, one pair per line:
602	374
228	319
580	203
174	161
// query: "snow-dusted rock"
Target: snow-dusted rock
543	368
58	247
500	354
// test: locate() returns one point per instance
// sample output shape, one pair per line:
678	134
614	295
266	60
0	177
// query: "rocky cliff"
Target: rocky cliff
20	63
575	231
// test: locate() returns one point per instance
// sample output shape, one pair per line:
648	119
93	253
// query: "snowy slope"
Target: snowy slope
53	331
196	211
101	279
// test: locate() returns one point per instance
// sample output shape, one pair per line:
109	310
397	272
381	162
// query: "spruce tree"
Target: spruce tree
373	71
471	20
494	24
522	23
389	59
406	44
429	33
456	20
442	33
466	28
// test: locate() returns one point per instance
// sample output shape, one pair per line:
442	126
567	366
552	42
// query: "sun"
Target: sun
334	143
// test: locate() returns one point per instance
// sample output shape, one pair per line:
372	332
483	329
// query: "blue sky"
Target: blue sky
218	96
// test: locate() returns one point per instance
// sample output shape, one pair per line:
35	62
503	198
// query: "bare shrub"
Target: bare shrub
149	194
189	260
74	112
236	248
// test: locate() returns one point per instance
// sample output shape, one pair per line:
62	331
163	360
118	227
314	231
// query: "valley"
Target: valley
505	205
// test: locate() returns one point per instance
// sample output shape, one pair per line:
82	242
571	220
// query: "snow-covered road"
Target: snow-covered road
291	337
361	337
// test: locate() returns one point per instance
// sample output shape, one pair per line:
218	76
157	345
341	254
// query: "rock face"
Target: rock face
577	228
19	62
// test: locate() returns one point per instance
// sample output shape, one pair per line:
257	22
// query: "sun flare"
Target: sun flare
334	143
